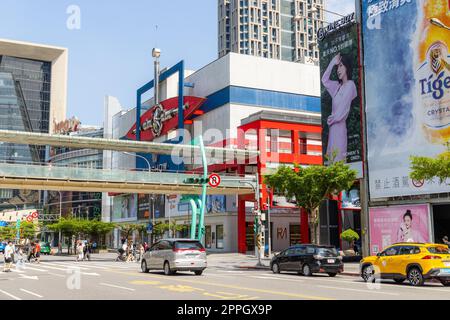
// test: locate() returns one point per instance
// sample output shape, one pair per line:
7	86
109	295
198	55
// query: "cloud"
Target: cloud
339	6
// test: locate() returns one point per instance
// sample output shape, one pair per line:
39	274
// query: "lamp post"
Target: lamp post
316	9
60	215
269	235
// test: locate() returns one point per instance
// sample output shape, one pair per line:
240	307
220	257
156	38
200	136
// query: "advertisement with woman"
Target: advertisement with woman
388	225
340	99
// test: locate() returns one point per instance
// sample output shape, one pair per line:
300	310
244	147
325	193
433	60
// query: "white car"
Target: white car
172	255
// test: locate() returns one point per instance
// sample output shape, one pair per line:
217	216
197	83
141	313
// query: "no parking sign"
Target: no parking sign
214	180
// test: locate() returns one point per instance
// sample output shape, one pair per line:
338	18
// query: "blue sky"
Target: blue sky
111	53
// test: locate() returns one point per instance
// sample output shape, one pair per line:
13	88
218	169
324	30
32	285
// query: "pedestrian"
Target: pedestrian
38	252
80	251
141	252
145	246
30	252
88	251
445	240
20	258
8	257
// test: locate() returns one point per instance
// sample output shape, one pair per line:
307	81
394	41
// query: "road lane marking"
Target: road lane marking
10	295
118	287
359	290
144	282
280	293
22	276
32	293
275	278
35	269
54	268
66	265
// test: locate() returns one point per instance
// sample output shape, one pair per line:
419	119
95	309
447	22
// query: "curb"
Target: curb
351	274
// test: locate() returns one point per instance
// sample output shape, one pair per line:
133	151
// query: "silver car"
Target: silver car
172	255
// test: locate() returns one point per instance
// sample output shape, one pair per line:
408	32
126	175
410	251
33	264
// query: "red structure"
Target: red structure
281	139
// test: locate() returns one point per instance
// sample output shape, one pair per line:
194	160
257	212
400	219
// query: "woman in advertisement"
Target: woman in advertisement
406	233
342	92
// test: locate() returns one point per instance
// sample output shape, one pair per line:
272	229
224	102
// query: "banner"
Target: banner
407	87
145	206
340	93
398	224
125	207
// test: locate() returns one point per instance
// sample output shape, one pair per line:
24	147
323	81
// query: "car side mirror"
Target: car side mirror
379	254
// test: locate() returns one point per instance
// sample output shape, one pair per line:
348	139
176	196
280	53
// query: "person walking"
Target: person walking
30	253
80	255
8	257
38	252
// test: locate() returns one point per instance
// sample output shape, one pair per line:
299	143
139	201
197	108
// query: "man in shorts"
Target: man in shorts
9	251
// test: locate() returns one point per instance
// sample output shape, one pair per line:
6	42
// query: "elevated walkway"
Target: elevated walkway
36	177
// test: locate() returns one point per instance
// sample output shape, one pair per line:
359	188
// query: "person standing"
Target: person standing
79	251
38	252
8	257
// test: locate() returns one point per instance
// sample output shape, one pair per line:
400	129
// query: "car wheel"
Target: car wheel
415	277
399	280
144	266
198	272
368	274
445	283
167	270
332	274
306	270
275	268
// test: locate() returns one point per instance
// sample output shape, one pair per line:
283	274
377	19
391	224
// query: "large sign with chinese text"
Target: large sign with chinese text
407	87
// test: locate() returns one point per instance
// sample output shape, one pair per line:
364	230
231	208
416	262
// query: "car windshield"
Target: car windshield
439	250
327	252
188	245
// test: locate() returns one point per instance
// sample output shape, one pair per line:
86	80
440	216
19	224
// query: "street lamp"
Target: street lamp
60	215
269	204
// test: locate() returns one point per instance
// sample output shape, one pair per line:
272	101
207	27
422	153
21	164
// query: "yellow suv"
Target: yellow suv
416	262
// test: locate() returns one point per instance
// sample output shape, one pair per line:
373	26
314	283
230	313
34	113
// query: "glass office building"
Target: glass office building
24	106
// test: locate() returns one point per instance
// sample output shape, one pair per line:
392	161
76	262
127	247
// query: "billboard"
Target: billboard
125	207
215	204
340	93
407	91
350	199
389	225
145	206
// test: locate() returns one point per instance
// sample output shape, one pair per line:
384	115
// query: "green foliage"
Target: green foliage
311	185
28	230
8	233
424	168
161	228
349	235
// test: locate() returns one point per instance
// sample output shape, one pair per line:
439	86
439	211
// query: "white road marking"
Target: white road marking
32	293
17	271
275	278
358	290
35	269
68	265
29	277
118	287
90	274
10	295
54	268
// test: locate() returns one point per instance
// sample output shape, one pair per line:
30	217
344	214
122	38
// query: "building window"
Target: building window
219	237
208	237
294	234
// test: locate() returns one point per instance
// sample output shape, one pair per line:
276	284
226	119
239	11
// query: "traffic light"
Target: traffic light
256	225
196	181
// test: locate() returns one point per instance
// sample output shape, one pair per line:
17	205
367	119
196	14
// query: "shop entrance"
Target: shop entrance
441	222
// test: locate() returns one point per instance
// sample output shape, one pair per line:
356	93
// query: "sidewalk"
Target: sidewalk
250	262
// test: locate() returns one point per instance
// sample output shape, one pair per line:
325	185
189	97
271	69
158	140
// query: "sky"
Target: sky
110	42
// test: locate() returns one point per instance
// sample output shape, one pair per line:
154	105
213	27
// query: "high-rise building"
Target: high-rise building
277	29
33	85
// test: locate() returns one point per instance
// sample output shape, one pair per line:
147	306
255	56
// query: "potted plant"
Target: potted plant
350	237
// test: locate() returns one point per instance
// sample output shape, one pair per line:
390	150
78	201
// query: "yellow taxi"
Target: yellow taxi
416	262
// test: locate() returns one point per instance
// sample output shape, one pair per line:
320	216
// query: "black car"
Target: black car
308	259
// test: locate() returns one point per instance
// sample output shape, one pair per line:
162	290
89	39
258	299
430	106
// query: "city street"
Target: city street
102	278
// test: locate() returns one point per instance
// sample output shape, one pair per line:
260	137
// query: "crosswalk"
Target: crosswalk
88	268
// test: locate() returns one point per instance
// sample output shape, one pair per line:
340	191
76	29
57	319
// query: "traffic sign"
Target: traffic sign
214	180
150	227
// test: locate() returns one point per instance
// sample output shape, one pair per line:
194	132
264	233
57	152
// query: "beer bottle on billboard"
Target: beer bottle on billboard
433	69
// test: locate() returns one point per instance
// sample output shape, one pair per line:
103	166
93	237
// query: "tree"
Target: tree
68	227
424	168
7	232
160	228
350	237
311	185
127	229
28	230
100	229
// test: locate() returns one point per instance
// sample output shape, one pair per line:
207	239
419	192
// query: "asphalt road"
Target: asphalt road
61	278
